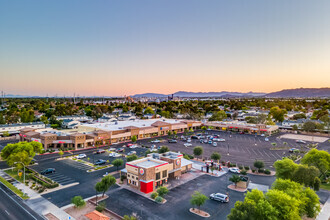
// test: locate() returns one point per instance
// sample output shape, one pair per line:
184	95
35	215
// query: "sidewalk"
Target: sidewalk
325	212
37	203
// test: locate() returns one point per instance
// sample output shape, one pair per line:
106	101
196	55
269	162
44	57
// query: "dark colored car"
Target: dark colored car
100	162
194	137
100	151
294	150
172	141
120	150
48	171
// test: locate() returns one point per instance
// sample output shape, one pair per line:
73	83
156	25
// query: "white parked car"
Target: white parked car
131	153
133	146
234	170
262	135
214	144
222	140
155	141
112	149
301	141
266	139
114	155
188	140
81	156
187	144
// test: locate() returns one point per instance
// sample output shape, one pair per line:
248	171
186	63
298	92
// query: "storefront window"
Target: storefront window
164	173
158	176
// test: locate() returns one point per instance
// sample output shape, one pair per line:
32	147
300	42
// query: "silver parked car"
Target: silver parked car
219	197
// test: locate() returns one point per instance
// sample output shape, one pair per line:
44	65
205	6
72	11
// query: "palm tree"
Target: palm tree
235	179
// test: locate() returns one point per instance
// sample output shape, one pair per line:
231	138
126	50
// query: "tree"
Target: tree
317	184
78	202
105	184
134	139
285	168
235	179
277	113
162	191
60	153
307	199
44	119
198	151
218	116
255	206
31	148
117	163
215	156
149	110
285	205
309	126
198	199
163	149
299	116
169	133
131	158
259	164
305	175
318	158
5	134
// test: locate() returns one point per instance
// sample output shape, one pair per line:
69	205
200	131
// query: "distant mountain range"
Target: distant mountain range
287	93
301	92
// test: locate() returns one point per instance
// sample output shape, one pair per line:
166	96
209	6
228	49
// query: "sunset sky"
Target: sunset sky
126	47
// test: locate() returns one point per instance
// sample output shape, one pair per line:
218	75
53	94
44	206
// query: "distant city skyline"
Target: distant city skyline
117	48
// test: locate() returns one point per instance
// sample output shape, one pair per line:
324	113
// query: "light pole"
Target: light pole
228	149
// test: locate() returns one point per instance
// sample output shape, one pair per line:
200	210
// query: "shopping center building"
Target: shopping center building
155	170
88	135
243	127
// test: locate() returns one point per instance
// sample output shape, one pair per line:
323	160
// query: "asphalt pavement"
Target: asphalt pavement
13	208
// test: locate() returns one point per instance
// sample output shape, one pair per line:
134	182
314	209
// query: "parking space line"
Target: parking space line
260	152
266	153
280	157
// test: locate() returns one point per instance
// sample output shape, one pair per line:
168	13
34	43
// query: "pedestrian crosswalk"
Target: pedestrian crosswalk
76	165
57	177
60	178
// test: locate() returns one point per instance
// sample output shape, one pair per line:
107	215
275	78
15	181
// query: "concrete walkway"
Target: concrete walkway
38	203
325	212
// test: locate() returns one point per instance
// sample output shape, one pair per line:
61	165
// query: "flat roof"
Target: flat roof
147	162
120	125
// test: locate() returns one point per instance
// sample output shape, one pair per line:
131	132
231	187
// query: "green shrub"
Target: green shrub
246	167
162	191
159	199
267	171
243	172
261	171
122	177
240	167
154	195
78	201
100	207
253	170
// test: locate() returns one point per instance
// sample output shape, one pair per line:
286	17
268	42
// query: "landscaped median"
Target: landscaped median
13	188
33	179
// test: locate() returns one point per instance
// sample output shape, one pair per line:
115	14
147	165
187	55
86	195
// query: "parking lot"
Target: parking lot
69	171
242	148
178	199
